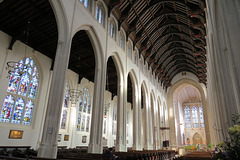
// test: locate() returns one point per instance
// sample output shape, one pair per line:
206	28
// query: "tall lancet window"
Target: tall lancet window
201	116
84	111
84	2
195	117
100	14
21	93
65	108
187	117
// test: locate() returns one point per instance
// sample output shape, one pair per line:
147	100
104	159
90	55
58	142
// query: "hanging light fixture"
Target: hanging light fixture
12	65
74	95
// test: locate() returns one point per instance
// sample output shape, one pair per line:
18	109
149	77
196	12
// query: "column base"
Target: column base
95	148
47	151
137	148
148	147
121	148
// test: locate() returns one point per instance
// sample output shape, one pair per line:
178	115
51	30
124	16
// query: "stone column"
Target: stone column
140	145
48	145
135	120
121	117
223	66
95	142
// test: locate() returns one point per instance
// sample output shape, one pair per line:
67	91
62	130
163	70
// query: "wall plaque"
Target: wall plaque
66	137
15	134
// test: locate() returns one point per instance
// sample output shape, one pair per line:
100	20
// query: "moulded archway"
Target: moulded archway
172	116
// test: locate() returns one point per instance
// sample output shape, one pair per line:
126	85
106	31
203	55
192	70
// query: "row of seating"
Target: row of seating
80	153
130	155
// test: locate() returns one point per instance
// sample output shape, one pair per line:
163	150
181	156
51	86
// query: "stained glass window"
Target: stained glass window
195	114
121	41
80	103
65	108
18	109
13	82
78	121
23	85
7	109
187	117
33	87
64	119
28	113
84	111
83	123
99	13
85	104
89	106
112	29
129	51
66	99
201	116
87	124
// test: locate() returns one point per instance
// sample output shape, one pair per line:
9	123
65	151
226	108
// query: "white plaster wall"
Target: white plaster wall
31	134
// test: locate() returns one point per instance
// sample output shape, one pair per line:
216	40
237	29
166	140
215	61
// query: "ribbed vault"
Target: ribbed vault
170	34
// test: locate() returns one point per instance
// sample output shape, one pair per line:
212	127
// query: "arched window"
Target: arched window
201	116
21	93
121	41
135	58
84	111
187	117
84	2
129	51
100	14
195	117
65	108
112	29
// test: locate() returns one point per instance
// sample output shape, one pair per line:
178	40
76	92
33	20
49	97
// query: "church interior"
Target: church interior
140	76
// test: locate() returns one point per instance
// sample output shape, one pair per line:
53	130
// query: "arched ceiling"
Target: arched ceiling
170	34
189	94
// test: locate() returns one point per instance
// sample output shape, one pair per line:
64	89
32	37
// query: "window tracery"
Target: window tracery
21	93
84	111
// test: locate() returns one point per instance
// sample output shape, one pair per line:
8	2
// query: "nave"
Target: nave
145	75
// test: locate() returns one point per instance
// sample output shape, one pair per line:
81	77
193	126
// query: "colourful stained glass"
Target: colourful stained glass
64	119
78	122
83	123
85	105
66	99
24	85
27	61
80	104
18	110
30	71
89	106
31	63
33	88
28	113
21	85
87	125
20	65
35	71
7	109
13	82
